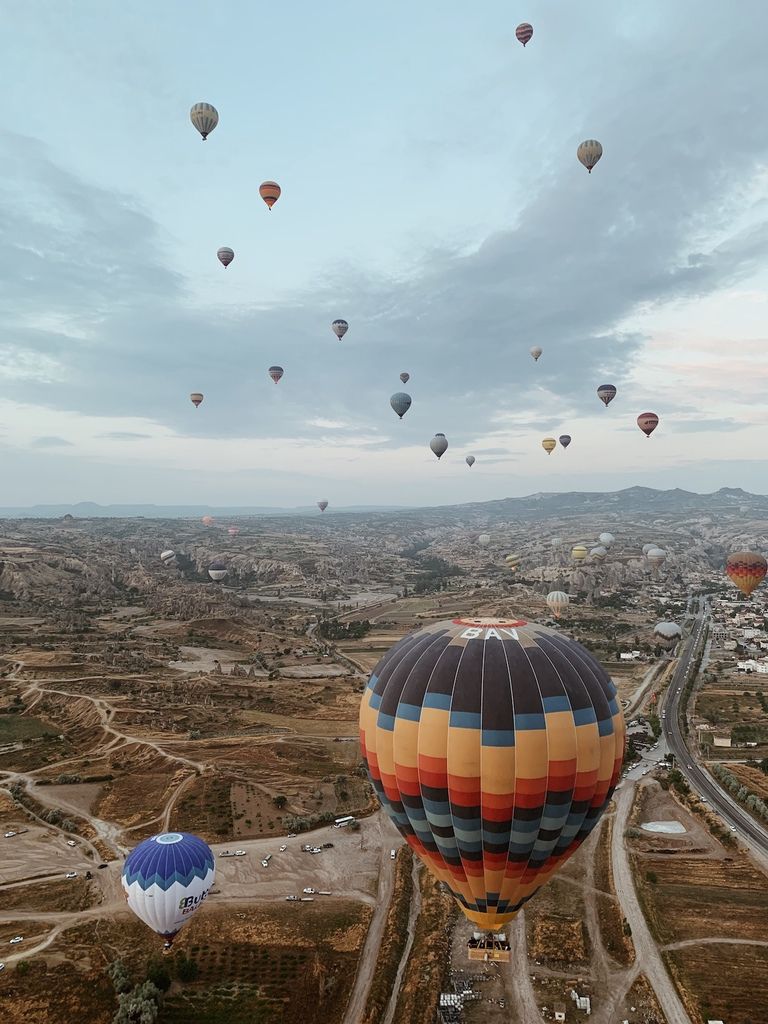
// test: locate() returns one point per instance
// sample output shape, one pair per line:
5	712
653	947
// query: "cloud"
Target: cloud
123	435
695	426
51	442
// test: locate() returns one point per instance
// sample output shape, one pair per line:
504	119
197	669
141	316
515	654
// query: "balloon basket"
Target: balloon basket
489	946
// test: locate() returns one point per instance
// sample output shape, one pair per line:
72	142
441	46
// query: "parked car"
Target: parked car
283	848
240	853
226	853
309	891
327	846
9	835
17	939
392	854
71	874
292	899
2	967
291	835
103	866
71	842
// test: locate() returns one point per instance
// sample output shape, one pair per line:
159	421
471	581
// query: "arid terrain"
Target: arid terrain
137	697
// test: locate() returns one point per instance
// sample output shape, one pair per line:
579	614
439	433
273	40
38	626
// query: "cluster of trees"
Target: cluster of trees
330	629
435	574
141	1003
742	793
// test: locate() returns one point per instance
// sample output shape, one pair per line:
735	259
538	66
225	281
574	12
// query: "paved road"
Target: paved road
738	820
647	951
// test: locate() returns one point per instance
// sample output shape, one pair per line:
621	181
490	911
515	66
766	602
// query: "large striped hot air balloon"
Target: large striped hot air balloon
494	747
166	879
598	553
204	117
217	570
647	421
168	558
579	553
524	33
513	560
339	328
269	192
606	393
276	373
196	398
557	602
589	152
549	444
746	569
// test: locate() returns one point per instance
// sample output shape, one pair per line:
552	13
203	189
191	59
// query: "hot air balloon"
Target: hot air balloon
484	540
494	747
470	460
276	372
225	255
648	547
565	440
657	557
524	33
166	878
322	505
207	520
667	632
598	554
168	558
196	398
233	530
439	445
579	553
536	352
401	403
606	393
204	117
589	152
606	539
557	602
339	328
405	377
217	570
513	560
556	542
549	444
269	192
647	421
746	569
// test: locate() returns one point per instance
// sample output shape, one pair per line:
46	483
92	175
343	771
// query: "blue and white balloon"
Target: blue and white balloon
166	879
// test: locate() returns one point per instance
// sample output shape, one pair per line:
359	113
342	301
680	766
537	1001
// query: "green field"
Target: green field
14	728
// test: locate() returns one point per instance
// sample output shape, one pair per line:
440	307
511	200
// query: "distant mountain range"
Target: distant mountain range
631	500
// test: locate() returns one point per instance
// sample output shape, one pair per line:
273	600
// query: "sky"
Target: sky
432	198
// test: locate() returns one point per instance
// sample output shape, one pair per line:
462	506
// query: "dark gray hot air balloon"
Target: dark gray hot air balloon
439	445
606	393
204	117
405	377
225	255
276	372
322	505
470	461
401	403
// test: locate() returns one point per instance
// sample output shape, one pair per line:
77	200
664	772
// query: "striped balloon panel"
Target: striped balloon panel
493	757
204	117
524	33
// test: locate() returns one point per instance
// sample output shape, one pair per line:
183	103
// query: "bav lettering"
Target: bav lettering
189	903
489	633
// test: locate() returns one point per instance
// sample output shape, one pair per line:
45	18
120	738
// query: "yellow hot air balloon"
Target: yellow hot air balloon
549	444
494	747
579	553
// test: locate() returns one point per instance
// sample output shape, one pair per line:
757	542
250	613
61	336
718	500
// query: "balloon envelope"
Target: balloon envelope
578	553
667	630
565	440
405	377
470	460
207	520
225	255
598	553
494	747
322	505
269	192
656	556
401	403
549	444
166	879
647	421
606	393
524	33
168	557
439	445
204	117
484	540
339	328
606	539
196	398
217	570
233	531
536	352
589	152
746	569
276	372
557	602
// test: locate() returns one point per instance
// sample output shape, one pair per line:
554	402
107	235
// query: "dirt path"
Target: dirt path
369	957
413	916
715	941
648	957
517	974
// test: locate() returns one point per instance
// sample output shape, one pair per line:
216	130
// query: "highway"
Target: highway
700	781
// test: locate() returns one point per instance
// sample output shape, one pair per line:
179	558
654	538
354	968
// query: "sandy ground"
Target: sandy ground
201	659
38	852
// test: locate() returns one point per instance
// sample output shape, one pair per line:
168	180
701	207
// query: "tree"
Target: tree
159	975
140	1006
118	974
186	969
279	801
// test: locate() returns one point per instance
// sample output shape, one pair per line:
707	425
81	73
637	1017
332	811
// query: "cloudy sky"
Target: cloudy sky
431	197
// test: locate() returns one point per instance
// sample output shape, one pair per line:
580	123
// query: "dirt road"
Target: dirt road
648	956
